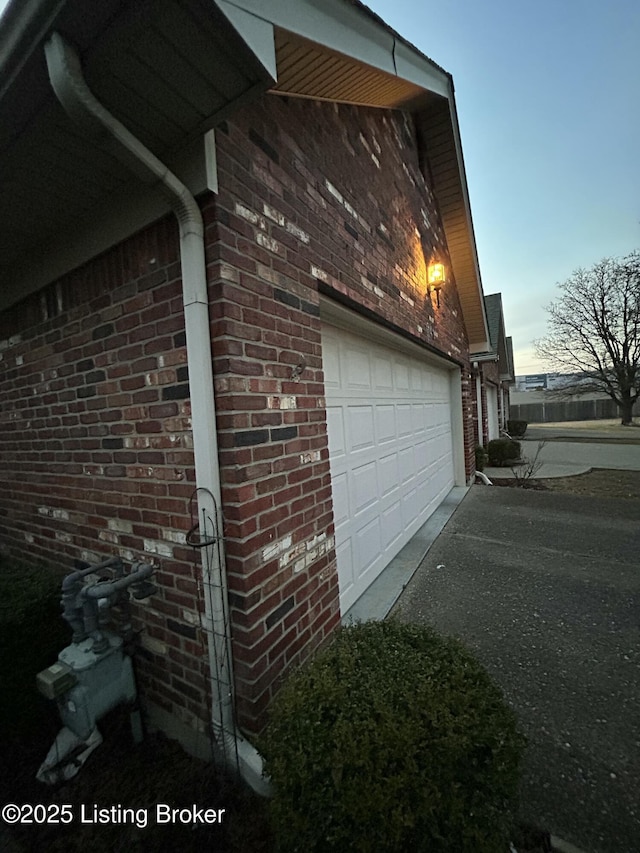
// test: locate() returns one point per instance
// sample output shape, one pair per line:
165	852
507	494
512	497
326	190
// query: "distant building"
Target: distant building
540	381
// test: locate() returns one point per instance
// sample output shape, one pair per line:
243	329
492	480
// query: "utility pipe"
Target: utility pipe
73	611
105	589
71	89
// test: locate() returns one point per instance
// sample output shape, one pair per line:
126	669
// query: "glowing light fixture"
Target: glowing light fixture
436	277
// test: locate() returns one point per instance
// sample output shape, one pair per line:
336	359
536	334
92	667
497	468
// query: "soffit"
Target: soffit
168	69
310	70
441	148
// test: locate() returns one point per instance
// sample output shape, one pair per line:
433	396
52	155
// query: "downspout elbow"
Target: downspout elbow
71	89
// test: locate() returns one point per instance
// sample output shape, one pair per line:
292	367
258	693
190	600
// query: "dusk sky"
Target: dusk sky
548	98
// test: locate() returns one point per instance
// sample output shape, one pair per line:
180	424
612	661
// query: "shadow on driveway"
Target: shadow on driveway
545	588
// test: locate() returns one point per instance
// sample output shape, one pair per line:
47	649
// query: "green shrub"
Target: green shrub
517	429
481	458
32	632
503	450
392	739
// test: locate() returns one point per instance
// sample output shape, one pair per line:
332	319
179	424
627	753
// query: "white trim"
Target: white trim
211	160
478	349
479	411
335	314
255	31
413	67
345	28
457	427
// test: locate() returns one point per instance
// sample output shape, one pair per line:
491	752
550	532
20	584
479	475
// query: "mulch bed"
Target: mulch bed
119	773
138	777
535	485
600	482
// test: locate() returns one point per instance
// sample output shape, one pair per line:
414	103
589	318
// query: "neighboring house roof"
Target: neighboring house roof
501	347
512	369
173	74
493	307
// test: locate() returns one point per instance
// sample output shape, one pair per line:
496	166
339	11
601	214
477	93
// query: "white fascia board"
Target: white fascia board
417	69
256	31
467	207
479	349
346	29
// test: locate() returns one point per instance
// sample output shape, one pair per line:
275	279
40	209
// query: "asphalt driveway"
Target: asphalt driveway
545	587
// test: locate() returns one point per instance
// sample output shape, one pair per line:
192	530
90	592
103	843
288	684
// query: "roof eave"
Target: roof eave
351	29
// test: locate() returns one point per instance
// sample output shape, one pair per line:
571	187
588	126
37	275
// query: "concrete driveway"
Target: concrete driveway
545	587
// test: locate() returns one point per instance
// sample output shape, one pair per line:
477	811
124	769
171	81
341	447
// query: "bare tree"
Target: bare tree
594	332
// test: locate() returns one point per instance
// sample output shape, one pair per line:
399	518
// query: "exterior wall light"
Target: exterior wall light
436	277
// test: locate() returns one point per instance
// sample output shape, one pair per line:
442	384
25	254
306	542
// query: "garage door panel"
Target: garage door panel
331	362
417	380
418	419
369	544
383	373
405	424
388	474
405	458
421	457
364	483
336	432
409	506
345	559
357	368
341	508
392	525
361	431
401	376
385	423
390	451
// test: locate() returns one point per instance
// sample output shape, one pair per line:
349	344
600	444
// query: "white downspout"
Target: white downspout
480	413
70	87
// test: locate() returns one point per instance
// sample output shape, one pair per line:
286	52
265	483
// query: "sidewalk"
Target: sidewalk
547	470
577	431
577	447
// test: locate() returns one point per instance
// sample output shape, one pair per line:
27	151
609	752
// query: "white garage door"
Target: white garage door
390	447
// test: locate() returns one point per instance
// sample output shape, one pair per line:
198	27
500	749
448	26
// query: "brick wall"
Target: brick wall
314	199
96	442
489	373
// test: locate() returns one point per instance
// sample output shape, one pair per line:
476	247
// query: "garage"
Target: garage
389	421
492	412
